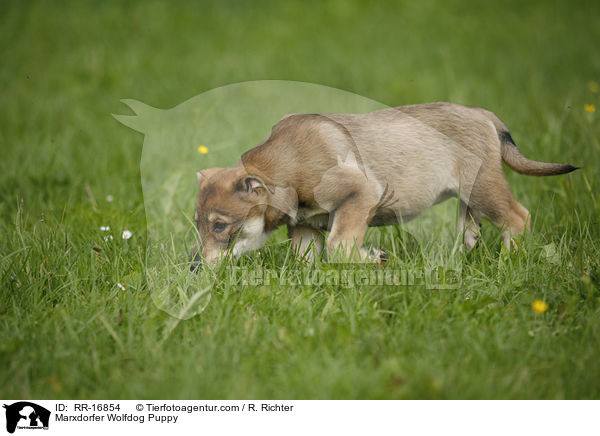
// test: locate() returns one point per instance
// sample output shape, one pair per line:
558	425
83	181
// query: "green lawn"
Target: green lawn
68	331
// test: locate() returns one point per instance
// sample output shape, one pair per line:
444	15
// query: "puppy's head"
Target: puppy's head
230	213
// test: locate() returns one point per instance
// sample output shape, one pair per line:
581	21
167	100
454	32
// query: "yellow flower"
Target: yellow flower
202	149
593	86
539	306
589	108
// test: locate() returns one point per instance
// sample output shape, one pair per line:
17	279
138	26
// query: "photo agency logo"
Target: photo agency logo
25	415
281	178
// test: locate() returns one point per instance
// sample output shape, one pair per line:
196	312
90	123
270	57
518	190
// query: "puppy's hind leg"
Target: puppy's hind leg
491	198
505	213
469	226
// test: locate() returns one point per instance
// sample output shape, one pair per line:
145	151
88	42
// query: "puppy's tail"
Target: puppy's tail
516	161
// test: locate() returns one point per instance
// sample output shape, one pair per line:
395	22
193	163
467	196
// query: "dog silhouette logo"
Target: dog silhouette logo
212	129
26	415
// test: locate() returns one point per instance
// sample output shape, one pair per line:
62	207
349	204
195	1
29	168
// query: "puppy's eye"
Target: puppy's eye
219	226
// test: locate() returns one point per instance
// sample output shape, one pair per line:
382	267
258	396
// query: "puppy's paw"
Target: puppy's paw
377	256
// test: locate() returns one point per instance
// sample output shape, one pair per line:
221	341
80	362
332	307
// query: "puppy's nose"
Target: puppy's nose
195	263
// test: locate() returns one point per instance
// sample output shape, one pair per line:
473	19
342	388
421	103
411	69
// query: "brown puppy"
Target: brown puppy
345	172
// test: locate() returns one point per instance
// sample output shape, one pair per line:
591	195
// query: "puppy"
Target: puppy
346	172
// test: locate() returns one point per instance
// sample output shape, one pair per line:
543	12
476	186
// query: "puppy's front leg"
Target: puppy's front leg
350	222
306	242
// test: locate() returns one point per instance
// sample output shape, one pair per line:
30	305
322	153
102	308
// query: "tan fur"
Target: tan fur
345	172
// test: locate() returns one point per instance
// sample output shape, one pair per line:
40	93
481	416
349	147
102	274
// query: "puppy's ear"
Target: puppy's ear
206	174
251	184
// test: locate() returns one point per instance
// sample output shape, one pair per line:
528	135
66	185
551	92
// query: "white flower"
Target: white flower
126	234
109	198
108	238
121	287
104	228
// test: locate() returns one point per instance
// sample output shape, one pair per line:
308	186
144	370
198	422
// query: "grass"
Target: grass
68	331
